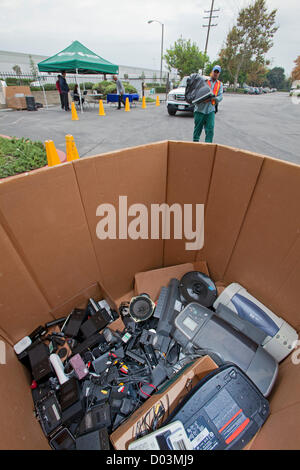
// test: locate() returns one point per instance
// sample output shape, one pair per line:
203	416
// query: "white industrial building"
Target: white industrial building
9	59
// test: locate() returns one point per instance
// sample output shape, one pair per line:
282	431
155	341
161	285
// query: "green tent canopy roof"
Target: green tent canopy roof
77	57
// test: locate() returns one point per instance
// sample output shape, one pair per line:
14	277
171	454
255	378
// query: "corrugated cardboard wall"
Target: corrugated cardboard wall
19	427
47	255
190	168
266	258
140	174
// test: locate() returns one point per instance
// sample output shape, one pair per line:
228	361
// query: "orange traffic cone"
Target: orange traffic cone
101	108
74	112
144	103
157	101
52	155
127	106
71	150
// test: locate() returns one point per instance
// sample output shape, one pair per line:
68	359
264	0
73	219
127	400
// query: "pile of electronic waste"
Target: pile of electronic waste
88	377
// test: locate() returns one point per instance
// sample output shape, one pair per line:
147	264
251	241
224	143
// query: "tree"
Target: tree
276	78
249	40
296	69
33	67
17	69
185	57
257	74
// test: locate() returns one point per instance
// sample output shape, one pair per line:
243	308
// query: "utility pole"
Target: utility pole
209	25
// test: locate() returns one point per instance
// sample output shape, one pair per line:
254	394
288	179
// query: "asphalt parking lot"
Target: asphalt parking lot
266	124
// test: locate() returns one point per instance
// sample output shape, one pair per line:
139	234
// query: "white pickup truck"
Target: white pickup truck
176	99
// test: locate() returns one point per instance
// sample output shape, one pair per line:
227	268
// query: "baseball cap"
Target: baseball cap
218	68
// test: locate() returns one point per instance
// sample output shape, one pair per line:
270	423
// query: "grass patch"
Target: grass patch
148	100
19	155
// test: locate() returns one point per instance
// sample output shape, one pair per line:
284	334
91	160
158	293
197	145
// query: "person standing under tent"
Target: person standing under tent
64	87
59	91
120	91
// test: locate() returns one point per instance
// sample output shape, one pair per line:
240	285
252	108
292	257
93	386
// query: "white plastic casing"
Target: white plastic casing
283	342
59	368
23	344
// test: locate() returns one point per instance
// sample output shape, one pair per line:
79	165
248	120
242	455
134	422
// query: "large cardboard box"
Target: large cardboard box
16	96
52	259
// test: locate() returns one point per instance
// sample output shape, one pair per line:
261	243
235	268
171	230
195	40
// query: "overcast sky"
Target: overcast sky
118	31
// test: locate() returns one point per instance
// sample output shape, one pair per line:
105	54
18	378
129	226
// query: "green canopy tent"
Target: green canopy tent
78	59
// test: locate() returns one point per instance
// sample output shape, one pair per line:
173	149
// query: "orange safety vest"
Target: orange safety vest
215	90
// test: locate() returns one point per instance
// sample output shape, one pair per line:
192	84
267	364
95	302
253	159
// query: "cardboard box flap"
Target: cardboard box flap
266	259
45	218
280	431
189	173
20	428
234	177
151	282
140	175
22	305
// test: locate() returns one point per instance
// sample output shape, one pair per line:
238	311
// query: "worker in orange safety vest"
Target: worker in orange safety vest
204	113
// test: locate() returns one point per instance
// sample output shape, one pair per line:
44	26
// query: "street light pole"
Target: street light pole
162	45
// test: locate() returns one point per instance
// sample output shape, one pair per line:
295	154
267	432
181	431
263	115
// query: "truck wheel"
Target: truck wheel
172	112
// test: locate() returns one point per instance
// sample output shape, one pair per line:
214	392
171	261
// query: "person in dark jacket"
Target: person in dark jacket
64	88
76	95
59	91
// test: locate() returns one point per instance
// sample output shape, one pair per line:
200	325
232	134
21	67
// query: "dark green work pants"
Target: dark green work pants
206	120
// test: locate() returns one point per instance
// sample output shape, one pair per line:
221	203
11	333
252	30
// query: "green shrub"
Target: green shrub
49	86
160	89
101	86
88	85
19	155
238	90
105	87
111	88
148	100
15	81
130	89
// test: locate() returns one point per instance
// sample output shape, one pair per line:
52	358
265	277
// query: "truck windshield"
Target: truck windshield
183	82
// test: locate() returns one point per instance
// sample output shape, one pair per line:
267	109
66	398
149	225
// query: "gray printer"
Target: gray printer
196	328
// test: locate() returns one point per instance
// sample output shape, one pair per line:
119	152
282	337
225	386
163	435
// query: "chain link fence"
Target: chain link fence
46	82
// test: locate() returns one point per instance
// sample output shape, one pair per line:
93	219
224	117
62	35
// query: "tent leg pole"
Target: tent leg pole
79	90
45	97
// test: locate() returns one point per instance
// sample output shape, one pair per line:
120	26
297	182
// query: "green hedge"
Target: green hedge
20	155
87	85
148	100
47	87
238	90
160	89
14	81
